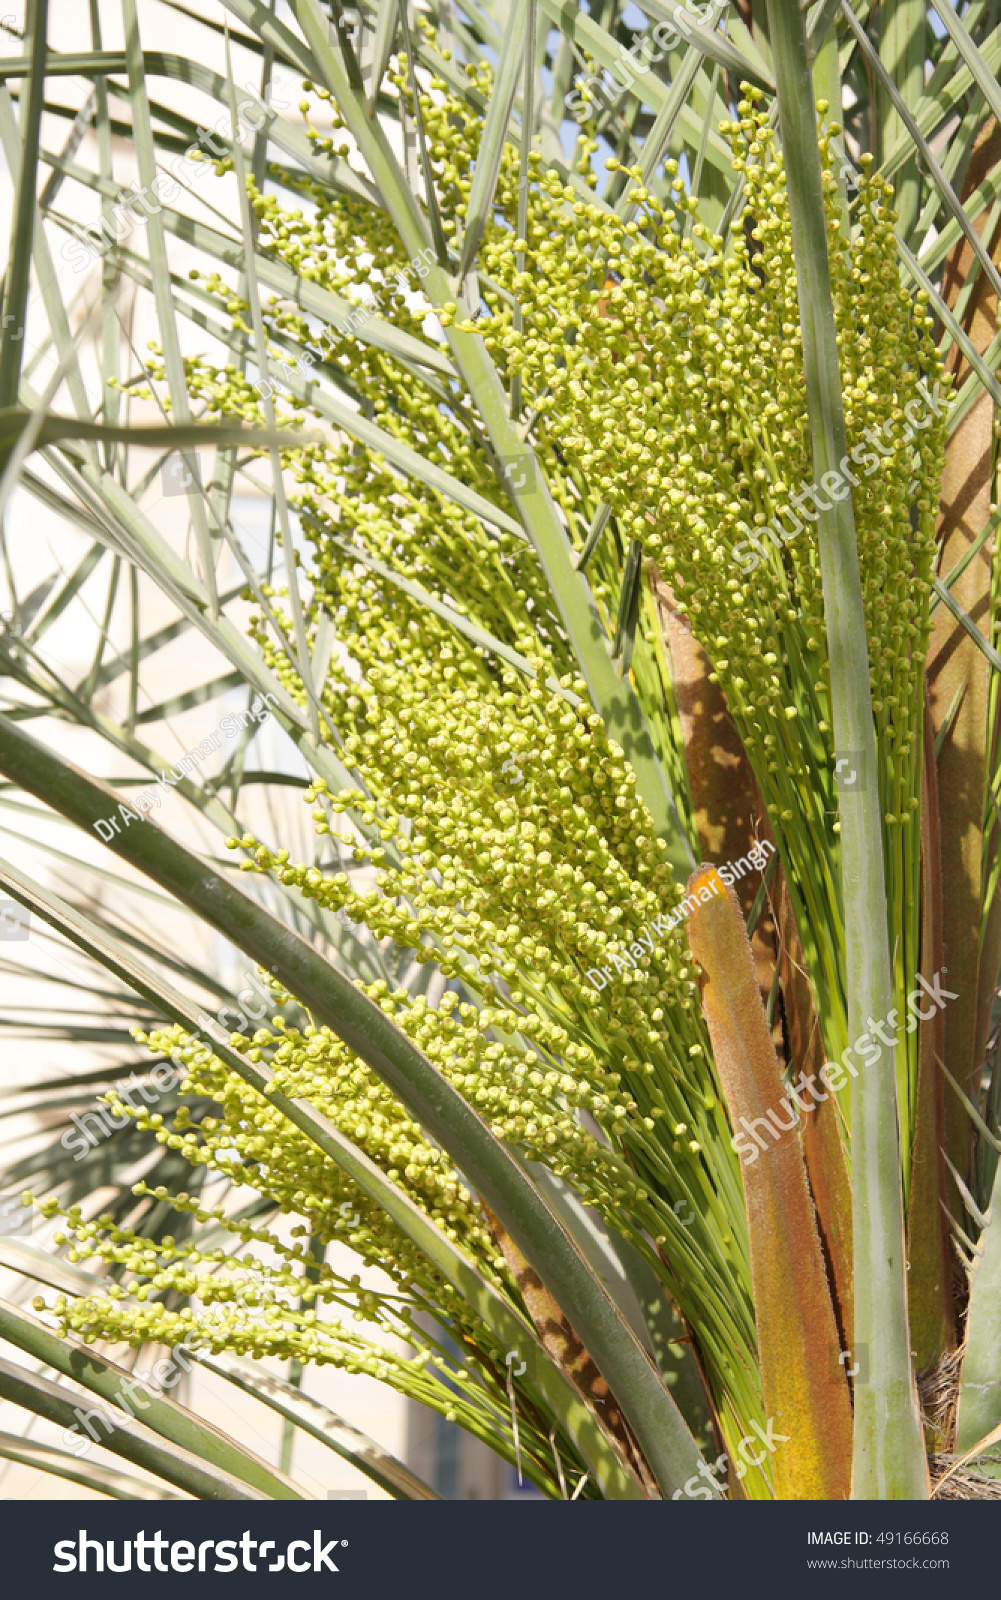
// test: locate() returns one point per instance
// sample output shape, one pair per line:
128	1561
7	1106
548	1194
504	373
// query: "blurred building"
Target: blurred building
457	1466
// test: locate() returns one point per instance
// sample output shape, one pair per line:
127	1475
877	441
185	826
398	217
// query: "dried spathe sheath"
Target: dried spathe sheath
805	1386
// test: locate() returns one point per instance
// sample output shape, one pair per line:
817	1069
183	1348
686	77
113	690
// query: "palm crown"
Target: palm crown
630	509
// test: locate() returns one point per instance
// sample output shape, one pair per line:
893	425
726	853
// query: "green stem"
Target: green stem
15	304
889	1460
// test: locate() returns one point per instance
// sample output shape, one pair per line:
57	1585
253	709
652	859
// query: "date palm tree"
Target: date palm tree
620	407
